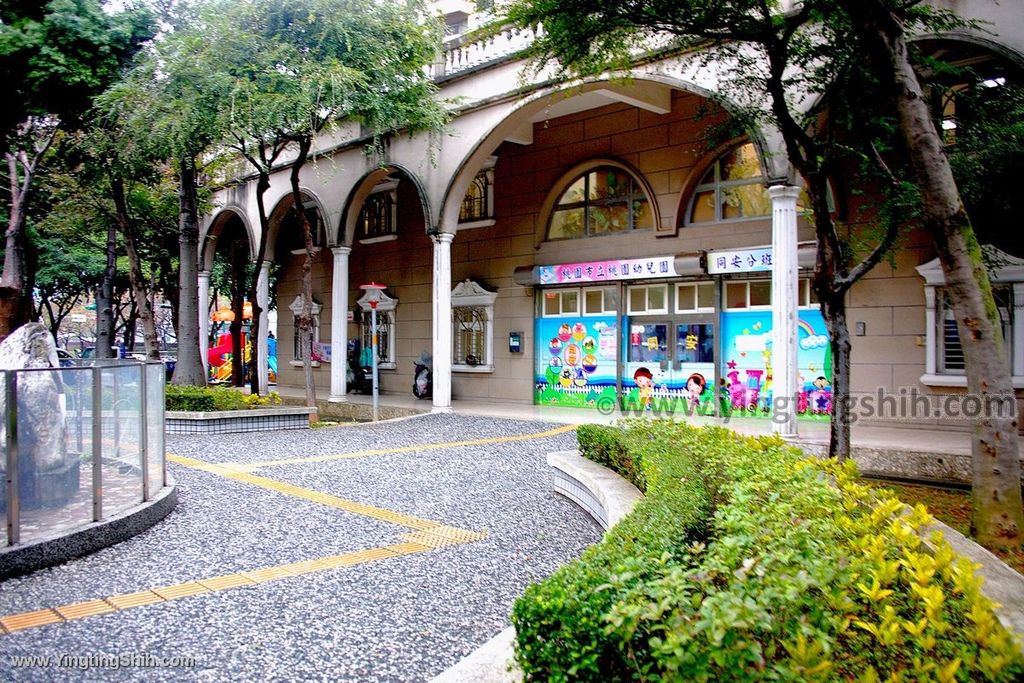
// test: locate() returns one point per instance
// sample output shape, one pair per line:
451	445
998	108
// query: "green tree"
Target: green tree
769	63
54	57
295	70
174	102
817	50
882	27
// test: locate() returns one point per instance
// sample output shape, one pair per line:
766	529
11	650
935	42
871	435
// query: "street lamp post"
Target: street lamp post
373	291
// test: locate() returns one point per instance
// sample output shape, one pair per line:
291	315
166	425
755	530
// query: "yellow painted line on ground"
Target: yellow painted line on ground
425	535
118	603
412	449
352	506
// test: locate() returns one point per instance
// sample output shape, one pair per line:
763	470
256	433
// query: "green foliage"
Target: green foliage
796	573
56	56
561	622
606	446
986	158
206	399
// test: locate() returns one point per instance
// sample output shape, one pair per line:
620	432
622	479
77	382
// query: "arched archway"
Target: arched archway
650	92
226	256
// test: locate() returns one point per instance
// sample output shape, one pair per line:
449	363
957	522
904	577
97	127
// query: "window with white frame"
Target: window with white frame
477	209
747	295
950	352
647	299
472	327
602	200
944	360
378	219
315	356
807	297
695	297
559	302
600	300
386	359
732	188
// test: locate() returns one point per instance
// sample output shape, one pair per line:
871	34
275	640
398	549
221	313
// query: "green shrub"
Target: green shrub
606	446
803	575
560	622
206	399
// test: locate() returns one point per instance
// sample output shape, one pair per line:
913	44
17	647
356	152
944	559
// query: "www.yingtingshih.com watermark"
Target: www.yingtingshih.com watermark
882	404
97	661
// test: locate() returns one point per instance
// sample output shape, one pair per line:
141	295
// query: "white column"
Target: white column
262	351
442	321
930	327
784	308
1017	334
204	317
339	324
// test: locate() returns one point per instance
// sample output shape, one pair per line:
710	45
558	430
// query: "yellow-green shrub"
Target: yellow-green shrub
805	575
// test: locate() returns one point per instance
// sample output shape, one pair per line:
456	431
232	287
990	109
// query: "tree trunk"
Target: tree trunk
189	367
239	253
131	324
834	311
135	276
105	299
262	185
21	169
997	517
306	317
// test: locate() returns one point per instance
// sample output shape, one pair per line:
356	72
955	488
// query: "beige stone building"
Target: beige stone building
585	245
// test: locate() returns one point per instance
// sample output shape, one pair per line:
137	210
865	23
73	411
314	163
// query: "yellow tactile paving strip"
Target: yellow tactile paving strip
411	449
216	584
425	535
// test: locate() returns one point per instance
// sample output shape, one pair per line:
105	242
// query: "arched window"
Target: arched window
474	204
732	188
378	219
603	200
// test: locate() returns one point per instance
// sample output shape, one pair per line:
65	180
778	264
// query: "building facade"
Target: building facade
588	246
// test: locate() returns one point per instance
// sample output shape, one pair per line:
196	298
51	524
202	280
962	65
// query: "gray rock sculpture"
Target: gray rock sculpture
48	475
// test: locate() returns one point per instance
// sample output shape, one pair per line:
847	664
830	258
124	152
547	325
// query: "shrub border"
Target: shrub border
494	661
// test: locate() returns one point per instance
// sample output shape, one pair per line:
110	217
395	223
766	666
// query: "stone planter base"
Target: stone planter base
230	421
46	488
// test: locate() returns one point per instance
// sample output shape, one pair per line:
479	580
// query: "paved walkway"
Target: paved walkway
899	437
375	552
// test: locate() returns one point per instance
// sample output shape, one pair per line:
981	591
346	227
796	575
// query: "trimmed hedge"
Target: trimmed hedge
207	399
748	561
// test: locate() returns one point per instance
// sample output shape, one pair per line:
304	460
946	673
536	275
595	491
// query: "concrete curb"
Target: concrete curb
57	549
606	497
492	662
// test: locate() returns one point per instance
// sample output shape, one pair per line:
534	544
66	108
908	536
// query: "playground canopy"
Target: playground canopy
226	315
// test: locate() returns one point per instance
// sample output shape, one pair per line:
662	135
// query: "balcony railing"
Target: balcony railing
465	53
80	444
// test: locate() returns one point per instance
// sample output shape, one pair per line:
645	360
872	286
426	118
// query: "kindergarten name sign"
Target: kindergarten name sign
739	261
604	271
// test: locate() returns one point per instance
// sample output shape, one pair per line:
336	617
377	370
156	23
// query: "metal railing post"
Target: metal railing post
161	406
13	502
79	379
116	381
144	431
97	443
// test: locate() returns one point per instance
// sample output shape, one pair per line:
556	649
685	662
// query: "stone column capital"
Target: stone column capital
784	192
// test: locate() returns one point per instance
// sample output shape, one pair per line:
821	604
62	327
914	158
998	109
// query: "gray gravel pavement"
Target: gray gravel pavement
399	619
